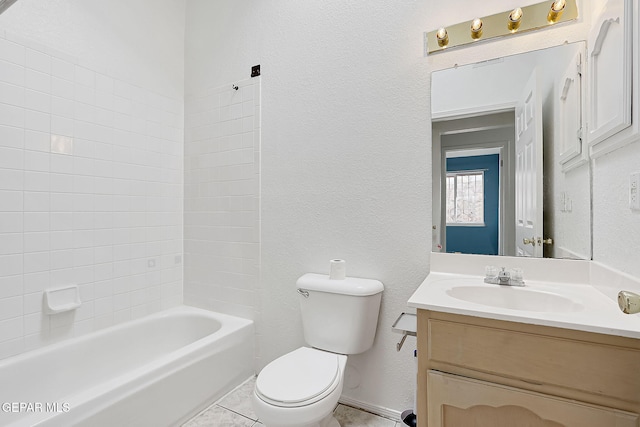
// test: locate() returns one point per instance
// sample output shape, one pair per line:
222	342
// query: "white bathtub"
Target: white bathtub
156	371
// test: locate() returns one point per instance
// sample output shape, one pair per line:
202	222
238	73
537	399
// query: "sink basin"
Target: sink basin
514	298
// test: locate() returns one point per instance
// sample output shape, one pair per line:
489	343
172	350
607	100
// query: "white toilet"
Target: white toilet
302	388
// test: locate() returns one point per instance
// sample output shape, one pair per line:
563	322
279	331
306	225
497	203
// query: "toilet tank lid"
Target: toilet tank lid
347	286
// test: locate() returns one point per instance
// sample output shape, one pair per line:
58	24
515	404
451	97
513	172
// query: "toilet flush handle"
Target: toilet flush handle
303	293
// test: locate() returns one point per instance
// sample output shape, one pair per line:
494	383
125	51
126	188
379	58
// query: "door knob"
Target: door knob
547	241
531	241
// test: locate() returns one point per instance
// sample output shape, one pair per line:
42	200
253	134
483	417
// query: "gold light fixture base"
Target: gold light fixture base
534	17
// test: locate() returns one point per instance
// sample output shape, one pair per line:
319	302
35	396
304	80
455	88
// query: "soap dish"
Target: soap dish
59	300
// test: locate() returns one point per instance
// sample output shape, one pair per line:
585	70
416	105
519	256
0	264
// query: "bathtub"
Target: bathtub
159	370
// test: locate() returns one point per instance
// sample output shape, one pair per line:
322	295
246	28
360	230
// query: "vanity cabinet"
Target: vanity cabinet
490	373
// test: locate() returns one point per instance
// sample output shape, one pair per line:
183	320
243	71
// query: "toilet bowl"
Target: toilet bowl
300	389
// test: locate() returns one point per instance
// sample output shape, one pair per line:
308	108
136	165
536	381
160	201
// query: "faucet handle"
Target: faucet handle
490	271
517	274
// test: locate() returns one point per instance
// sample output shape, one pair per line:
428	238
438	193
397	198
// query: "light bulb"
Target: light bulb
442	36
515	17
558	5
556	10
476	28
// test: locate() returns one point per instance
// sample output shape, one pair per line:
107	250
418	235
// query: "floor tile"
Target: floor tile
351	417
235	410
239	400
217	416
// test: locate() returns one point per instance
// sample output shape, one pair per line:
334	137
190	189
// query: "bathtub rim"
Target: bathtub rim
103	394
225	320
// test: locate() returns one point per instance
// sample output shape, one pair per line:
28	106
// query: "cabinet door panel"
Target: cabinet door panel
610	71
569	119
457	401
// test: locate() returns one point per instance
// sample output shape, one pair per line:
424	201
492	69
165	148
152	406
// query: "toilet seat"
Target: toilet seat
299	378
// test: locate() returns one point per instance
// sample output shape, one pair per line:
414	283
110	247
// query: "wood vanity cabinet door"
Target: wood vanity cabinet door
572	370
456	401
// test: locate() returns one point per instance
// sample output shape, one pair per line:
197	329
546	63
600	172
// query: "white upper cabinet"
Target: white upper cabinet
612	60
568	126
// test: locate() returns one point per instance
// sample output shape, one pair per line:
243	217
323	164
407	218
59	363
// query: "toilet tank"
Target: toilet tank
340	316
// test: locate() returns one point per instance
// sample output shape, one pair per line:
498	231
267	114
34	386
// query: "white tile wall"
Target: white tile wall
91	193
222	197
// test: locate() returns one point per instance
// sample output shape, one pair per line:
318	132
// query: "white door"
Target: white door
529	171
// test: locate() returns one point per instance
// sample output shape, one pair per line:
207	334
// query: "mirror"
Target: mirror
510	170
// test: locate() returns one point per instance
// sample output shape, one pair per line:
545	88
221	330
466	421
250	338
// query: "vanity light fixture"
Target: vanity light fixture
556	10
476	28
515	17
443	37
518	20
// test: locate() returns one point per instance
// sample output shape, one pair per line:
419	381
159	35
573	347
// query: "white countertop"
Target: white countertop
593	306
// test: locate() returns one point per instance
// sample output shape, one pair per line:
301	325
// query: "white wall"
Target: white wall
616	228
222	199
139	41
345	157
345	147
106	214
496	82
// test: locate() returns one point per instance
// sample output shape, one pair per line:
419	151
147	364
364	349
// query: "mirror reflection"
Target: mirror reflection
510	170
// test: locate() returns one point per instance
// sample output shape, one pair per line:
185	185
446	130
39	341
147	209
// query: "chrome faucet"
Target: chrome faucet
503	277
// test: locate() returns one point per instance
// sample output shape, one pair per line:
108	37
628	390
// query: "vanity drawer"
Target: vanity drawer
597	368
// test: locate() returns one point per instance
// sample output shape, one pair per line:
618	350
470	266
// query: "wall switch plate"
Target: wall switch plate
634	191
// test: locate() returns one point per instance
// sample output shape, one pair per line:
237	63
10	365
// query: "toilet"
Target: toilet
302	388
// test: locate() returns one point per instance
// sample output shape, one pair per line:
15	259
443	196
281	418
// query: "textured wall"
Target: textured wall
616	228
105	212
345	157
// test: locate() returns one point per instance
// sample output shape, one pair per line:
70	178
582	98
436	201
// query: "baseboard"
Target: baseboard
378	410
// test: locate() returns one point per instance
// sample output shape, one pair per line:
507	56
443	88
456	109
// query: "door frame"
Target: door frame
471	151
470	121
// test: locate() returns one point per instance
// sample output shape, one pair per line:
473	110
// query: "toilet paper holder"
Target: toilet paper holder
407	325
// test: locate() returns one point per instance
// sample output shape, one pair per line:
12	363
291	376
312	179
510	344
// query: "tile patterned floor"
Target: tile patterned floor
234	410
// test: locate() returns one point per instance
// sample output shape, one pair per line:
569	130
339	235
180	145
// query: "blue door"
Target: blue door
477	238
